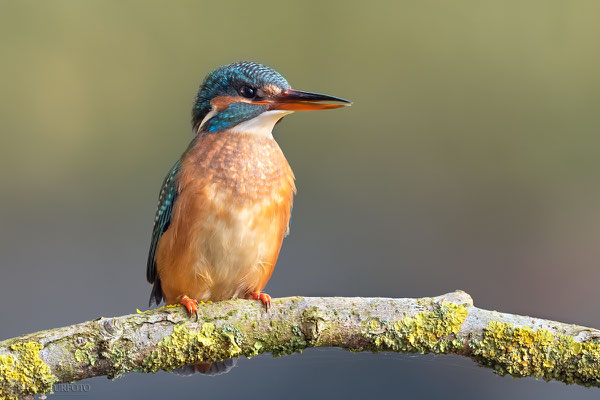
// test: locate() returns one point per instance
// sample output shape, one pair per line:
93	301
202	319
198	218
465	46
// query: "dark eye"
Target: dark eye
248	92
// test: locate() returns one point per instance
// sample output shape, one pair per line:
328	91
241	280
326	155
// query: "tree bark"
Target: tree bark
168	338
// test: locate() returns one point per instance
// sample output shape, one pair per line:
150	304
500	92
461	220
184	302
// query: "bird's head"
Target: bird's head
250	97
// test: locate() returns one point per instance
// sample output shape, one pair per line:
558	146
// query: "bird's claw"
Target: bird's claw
190	304
264	298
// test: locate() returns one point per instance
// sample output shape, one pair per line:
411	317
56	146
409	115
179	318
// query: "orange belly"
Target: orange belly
229	219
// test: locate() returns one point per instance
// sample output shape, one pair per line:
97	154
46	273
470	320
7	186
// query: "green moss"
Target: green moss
296	344
83	354
426	332
525	352
119	356
293	338
254	350
25	374
185	347
316	320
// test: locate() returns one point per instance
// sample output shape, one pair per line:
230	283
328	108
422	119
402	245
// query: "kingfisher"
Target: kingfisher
224	207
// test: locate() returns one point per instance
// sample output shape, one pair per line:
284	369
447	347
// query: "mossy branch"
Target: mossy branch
168	338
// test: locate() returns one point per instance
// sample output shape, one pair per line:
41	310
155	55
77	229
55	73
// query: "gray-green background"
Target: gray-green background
468	160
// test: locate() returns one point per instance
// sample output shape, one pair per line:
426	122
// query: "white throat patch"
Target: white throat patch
261	125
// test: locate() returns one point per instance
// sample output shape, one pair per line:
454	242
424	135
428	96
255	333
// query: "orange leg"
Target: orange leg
190	304
265	298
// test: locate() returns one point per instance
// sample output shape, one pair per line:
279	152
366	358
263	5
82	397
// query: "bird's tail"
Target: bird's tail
210	369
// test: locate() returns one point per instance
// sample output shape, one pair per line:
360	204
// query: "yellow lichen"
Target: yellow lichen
186	347
426	332
522	351
373	325
24	373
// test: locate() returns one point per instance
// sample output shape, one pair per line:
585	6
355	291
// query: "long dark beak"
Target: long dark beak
297	100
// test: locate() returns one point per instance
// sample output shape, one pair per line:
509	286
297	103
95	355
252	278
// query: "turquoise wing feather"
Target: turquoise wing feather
162	220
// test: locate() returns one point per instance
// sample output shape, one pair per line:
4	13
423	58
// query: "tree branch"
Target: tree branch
168	338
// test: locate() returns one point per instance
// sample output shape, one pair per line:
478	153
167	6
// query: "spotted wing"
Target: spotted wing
162	220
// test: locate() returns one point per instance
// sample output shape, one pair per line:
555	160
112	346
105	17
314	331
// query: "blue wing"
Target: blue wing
162	220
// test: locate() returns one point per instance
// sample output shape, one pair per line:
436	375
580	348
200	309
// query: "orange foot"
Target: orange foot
265	298
190	304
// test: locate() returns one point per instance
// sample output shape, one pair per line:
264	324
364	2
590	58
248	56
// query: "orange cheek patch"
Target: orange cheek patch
222	102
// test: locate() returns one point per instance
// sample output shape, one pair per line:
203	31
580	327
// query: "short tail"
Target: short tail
210	369
157	294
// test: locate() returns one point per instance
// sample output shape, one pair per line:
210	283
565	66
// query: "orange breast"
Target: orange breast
229	219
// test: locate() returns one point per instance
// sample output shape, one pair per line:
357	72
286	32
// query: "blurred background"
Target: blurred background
469	160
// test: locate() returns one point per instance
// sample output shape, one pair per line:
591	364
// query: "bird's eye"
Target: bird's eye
248	92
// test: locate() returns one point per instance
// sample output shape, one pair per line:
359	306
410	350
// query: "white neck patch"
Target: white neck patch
261	125
208	116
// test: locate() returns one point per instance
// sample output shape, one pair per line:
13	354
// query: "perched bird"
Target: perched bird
224	207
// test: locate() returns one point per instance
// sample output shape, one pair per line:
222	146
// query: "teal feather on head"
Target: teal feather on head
239	79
